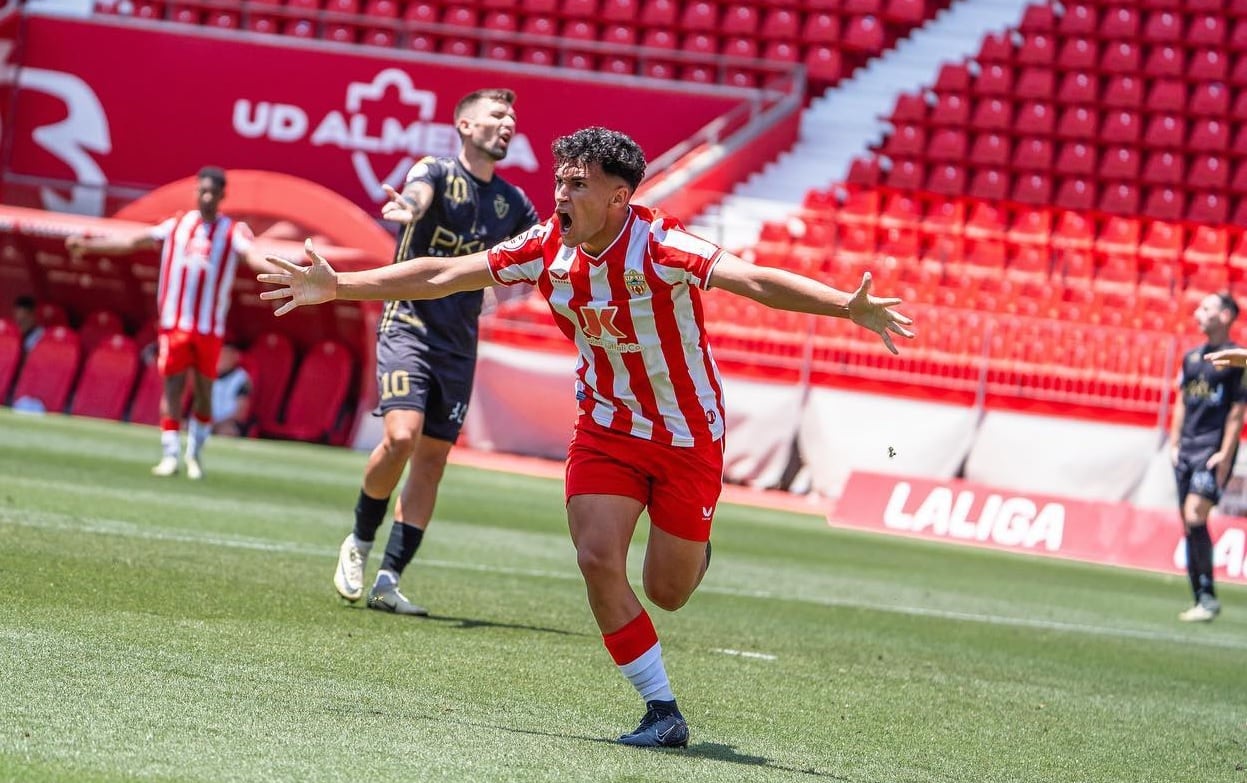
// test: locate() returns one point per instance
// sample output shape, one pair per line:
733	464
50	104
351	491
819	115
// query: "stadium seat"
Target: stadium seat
989	184
992	114
107	377
145	407
1119	198
1079	54
985	220
905	12
1210	99
98	326
995	79
950	109
905	140
1121	22
1030	226
1121	127
48	372
947	144
1208	172
1076	193
578	9
1162	242
1124	91
780	23
947	180
1207	245
1209	207
1036	118
906	174
991	150
824	64
658	13
619	11
1163	168
272	356
1165	130
316	395
1078	88
1119	235
1164	203
1209	135
1121	57
1073	230
863	34
1033	153
1080	19
1120	162
1033	188
1162	27
1076	158
1207	65
822	28
10	357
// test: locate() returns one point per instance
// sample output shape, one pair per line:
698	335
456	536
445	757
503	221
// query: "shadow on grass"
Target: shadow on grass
469	623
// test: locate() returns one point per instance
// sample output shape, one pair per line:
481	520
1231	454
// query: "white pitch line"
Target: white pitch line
745	654
131	530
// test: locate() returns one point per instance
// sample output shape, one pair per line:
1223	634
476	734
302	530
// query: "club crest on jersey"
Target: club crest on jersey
635	282
501	206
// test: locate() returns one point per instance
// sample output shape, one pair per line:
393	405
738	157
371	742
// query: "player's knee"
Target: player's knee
667	596
400	442
596	564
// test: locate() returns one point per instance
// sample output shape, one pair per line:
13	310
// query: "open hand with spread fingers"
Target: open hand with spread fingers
300	285
397	207
876	314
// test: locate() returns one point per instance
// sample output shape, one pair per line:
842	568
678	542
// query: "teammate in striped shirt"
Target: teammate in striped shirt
624	284
200	251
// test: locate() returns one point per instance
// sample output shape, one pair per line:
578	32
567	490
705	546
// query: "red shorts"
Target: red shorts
680	486
178	351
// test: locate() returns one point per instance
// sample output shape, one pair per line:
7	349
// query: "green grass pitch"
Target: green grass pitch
164	630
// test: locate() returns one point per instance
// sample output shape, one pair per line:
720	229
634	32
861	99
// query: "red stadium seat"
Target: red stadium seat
1209	171
995	79
1079	54
48	372
1078	122
107	378
1120	22
52	314
1036	49
1120	162
990	184
1078	87
901	210
864	34
1119	198
1124	91
1162	27
781	52
910	107
1209	207
699	43
1119	236
381	9
821	28
1163	168
145	407
422	12
317	394
908	13
906	140
823	64
619	11
950	109
1121	57
991	114
1208	65
1077	158
991	149
740	19
996	48
906	174
780	23
947	144
985	221
1162	242
1078	19
10	357
1206	30
1035	82
1036	118
1121	127
1076	193
1030	226
699	15
1209	135
947	180
1033	153
1164	61
1164	203
97	327
1073	231
582	9
1207	245
1210	99
272	356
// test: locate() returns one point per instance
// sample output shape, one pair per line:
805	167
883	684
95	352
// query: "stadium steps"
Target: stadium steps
840	125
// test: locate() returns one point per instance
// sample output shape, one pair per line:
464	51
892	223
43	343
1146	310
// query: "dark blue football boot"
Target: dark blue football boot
662	727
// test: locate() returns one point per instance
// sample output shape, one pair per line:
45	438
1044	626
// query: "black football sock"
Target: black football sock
404	541
369	512
1192	567
1201	546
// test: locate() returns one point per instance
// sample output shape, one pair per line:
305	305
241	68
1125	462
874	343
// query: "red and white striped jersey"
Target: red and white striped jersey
197	264
635	315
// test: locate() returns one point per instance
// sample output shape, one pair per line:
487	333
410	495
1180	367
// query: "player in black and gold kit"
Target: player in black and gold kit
1203	438
426	350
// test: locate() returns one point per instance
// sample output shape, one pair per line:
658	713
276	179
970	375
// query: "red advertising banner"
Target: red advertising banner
102	103
967	513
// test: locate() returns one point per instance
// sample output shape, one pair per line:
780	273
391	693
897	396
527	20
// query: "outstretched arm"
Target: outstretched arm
784	290
409	205
1229	357
78	244
419	278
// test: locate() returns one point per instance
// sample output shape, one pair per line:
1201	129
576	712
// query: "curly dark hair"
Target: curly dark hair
617	154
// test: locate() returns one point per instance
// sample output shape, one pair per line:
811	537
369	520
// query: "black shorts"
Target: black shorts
413	376
1194	477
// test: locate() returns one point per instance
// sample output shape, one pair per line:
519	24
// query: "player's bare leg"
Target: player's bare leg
673	568
601	529
381	475
200	425
170	419
412	515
